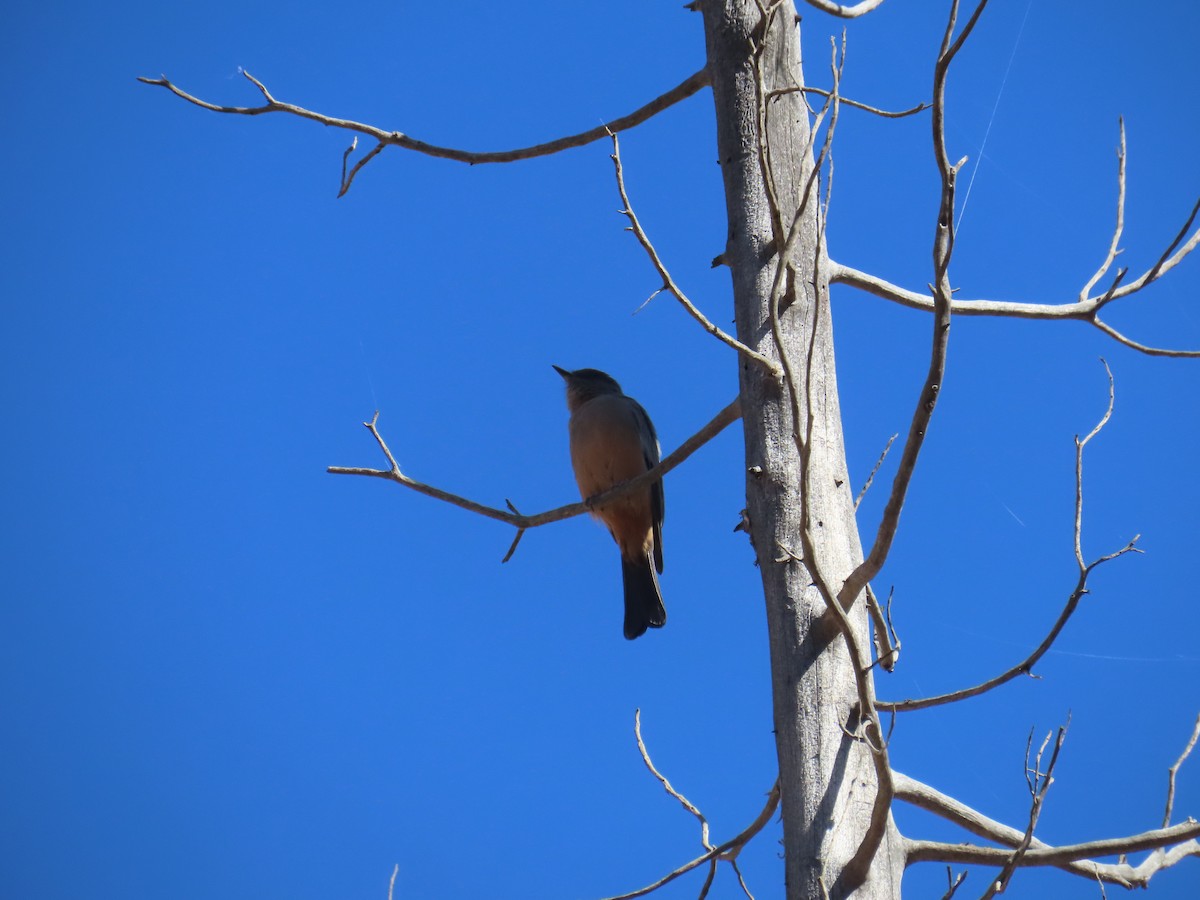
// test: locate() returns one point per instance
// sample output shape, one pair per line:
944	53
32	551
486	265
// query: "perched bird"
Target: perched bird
613	440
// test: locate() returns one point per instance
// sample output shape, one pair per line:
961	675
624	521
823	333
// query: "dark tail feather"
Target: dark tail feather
643	600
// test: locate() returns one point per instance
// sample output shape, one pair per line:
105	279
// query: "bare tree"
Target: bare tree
827	630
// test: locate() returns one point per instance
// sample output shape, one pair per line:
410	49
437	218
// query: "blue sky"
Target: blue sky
226	673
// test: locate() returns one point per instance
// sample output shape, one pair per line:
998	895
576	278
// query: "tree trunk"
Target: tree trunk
827	778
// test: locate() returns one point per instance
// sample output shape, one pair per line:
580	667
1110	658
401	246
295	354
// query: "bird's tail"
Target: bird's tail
643	599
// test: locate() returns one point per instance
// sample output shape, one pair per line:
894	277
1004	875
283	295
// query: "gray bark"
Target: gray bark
827	778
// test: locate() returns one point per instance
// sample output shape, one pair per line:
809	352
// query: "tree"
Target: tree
800	509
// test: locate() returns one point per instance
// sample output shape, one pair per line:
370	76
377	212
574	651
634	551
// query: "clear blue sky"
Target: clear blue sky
225	673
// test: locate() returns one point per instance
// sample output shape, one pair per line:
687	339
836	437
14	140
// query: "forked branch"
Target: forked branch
1085	308
1025	667
1170	843
1039	783
727	852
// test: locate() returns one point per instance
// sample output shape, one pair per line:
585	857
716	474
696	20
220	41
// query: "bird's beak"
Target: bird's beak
563	372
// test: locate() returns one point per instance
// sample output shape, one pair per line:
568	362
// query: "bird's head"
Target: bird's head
584	384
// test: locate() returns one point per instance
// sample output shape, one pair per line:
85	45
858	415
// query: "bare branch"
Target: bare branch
1113	248
1167	261
930	799
846	12
730	855
1085	309
662	779
708	880
921	795
940	72
1039	784
729	414
1142	348
1182	835
887	114
346	156
943	251
1079	445
669	282
691	85
1112	288
870	478
347	180
731	847
953	883
741	880
873	284
887	643
1174	770
1025	667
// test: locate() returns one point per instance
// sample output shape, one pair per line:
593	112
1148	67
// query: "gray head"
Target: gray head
584	384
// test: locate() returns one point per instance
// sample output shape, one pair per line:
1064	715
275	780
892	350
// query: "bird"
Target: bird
612	441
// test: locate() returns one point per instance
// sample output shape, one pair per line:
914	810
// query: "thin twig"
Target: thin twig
871	477
952	882
887	643
669	282
1143	348
1039	783
1174	770
1113	247
708	879
1112	289
1079	445
822	92
347	180
737	870
667	786
737	842
1025	667
346	156
1167	260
